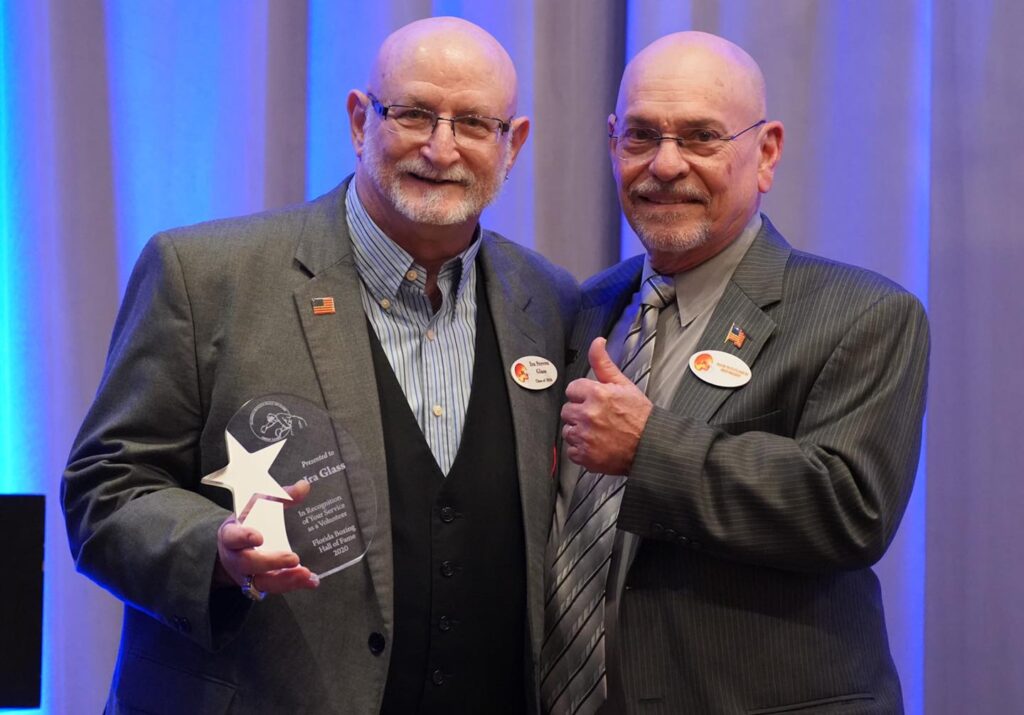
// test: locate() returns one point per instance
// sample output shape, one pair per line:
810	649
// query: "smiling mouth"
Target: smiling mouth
669	200
434	180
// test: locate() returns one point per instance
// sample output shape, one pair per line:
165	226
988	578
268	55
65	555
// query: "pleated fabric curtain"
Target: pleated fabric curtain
119	118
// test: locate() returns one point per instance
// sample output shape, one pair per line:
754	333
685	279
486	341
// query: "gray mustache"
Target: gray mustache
675	191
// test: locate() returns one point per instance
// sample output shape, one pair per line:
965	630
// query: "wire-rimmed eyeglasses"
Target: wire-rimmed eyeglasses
419	123
641	143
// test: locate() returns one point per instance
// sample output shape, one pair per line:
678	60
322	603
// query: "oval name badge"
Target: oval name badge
718	368
533	372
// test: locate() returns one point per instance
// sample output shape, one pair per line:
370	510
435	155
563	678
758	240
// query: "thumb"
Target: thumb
605	370
298	491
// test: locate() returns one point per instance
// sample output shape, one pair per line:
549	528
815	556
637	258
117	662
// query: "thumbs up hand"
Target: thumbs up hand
604	417
605	369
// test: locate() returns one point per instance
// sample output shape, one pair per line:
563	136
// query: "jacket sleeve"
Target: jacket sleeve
827	496
135	522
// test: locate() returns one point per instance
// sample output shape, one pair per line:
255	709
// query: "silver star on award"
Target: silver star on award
256	496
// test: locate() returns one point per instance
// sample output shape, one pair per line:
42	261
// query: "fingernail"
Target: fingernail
314	579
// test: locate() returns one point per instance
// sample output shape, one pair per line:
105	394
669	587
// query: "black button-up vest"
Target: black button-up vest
459	556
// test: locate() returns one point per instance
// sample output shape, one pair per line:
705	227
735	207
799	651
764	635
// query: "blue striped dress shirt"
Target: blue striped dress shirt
431	353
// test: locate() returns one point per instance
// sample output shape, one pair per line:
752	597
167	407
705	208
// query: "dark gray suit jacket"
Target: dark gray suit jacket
215	315
761	509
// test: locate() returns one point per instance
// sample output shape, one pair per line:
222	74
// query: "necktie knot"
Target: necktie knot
658	291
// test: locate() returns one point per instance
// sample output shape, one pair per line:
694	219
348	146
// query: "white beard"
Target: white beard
430	207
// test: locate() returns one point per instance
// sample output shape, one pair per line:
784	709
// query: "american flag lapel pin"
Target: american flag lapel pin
736	336
323	306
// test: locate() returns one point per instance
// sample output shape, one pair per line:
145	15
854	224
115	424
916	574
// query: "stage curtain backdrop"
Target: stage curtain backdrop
903	146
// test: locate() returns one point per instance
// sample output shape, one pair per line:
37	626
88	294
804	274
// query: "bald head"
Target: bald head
678	62
465	51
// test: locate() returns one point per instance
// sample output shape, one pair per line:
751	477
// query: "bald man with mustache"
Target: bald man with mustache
414	360
740	436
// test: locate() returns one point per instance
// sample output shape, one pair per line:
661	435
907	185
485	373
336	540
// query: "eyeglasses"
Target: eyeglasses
419	124
641	143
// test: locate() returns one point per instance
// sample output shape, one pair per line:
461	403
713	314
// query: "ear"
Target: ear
611	130
520	130
771	151
357	104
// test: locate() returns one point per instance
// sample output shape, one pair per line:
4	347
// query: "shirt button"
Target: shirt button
438	410
412	275
376	643
431	334
437	677
447	569
385	303
444	624
447	514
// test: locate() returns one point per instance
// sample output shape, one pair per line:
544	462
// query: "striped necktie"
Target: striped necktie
573	658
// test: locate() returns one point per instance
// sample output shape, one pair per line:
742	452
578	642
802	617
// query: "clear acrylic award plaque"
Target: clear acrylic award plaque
276	440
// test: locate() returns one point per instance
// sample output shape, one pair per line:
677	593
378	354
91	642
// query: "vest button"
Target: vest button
447	569
447	514
376	643
444	624
437	677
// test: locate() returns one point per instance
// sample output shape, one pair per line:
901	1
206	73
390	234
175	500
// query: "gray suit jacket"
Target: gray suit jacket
760	510
215	315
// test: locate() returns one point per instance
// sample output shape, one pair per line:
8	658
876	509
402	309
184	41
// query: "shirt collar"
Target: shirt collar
382	264
699	288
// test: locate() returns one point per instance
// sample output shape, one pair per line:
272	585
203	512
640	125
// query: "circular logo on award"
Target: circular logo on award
703	362
271	421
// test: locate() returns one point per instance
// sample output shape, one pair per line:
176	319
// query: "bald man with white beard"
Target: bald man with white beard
415	360
741	431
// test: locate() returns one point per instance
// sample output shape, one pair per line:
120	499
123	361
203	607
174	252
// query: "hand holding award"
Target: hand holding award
290	536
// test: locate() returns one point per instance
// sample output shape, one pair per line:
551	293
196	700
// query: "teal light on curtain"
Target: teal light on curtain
30	305
10	328
26	205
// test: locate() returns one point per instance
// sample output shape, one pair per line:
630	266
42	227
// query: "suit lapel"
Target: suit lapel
519	334
756	284
340	348
699	399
